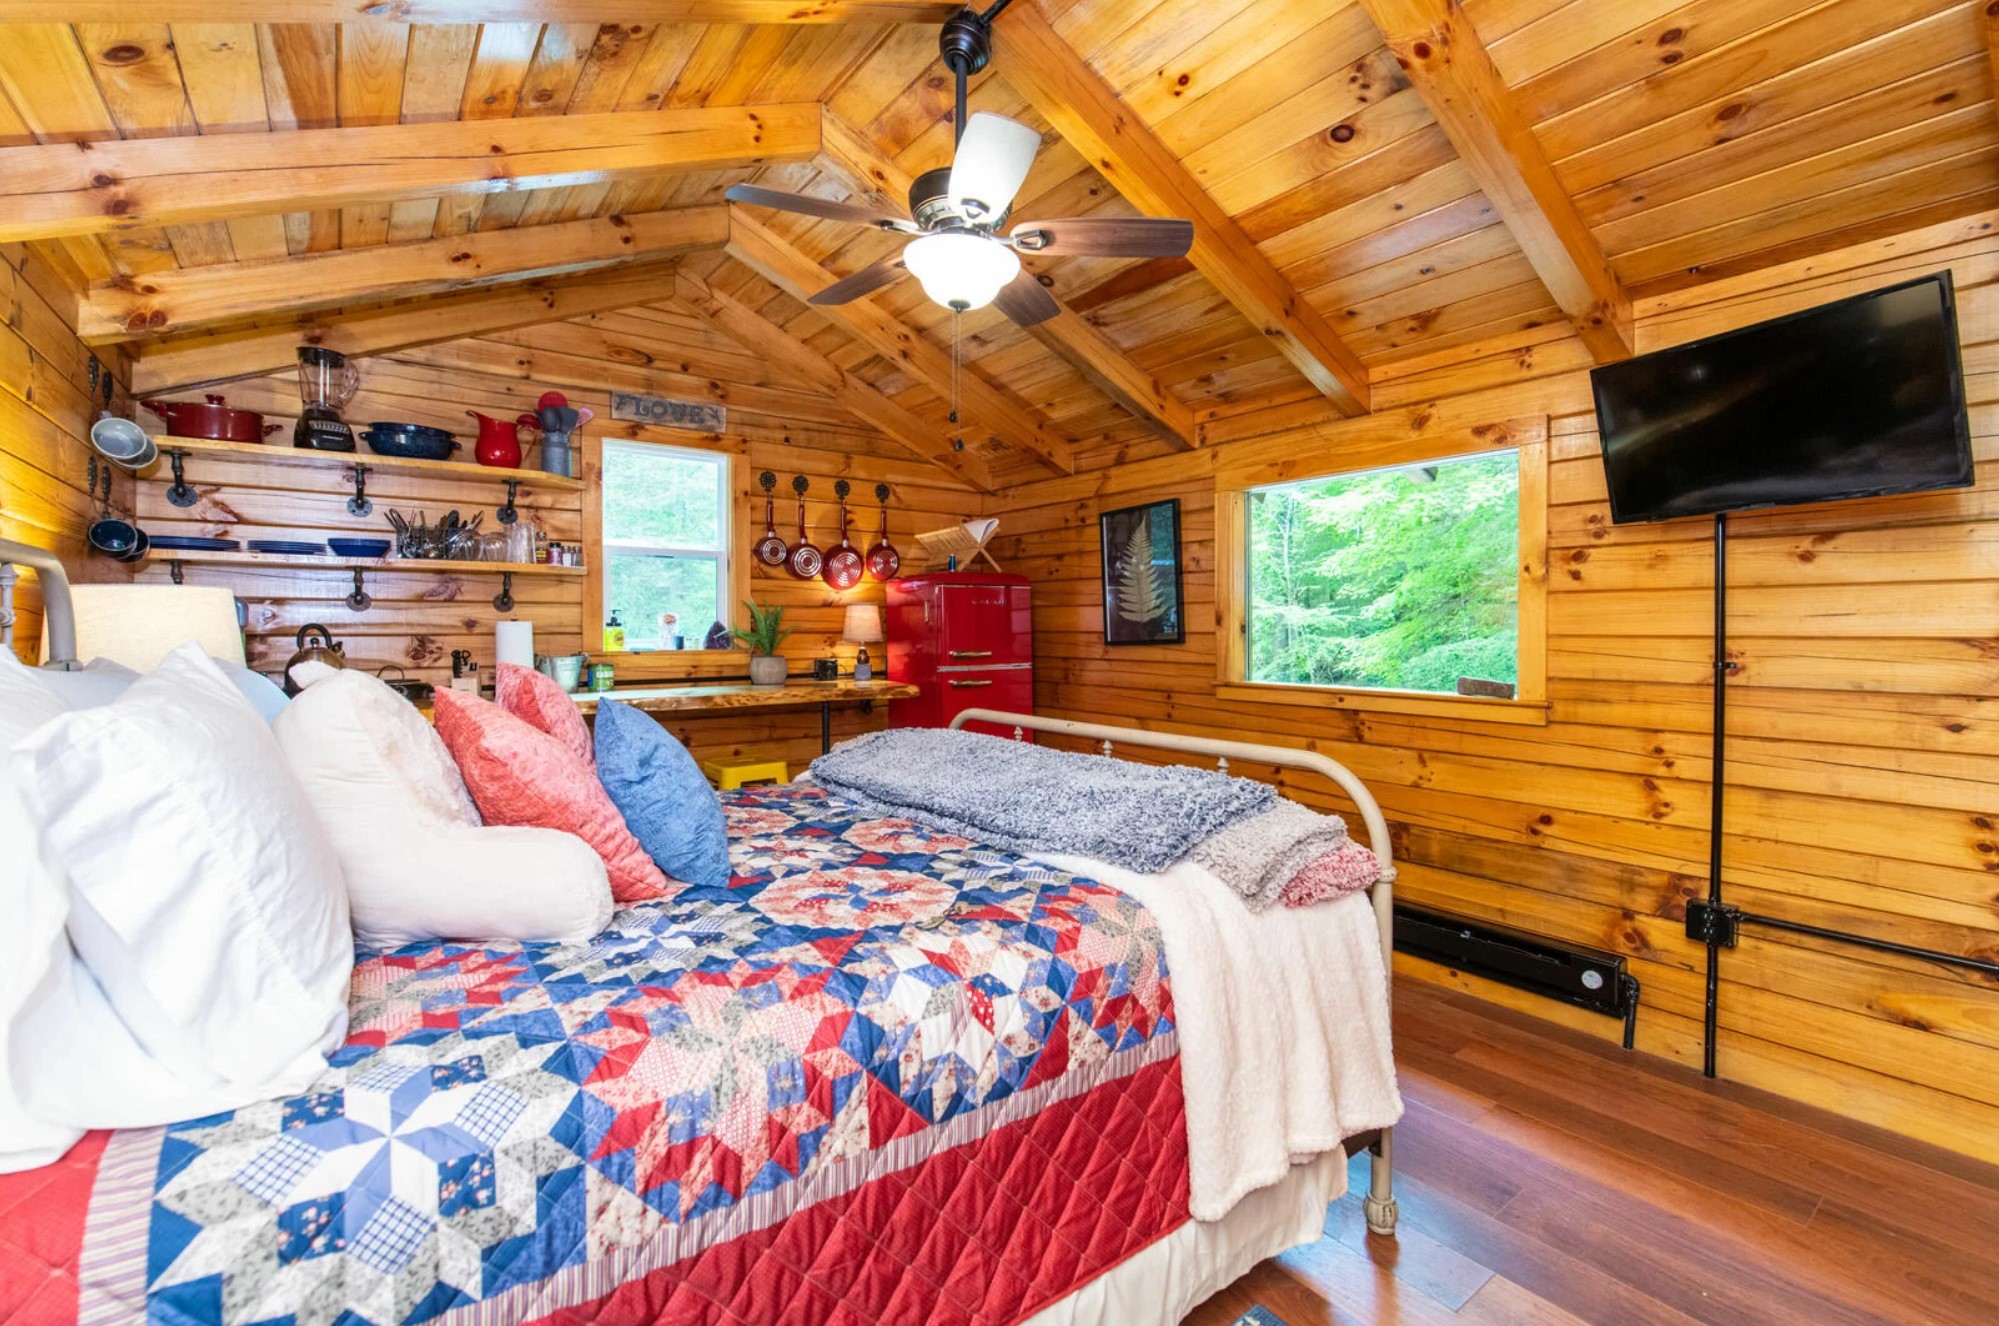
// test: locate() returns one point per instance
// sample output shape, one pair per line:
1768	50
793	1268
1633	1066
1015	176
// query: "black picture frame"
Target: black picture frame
1132	583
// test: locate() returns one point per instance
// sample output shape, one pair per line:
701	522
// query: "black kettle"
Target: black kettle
325	651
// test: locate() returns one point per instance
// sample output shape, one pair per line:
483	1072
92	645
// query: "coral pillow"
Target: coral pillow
537	701
520	775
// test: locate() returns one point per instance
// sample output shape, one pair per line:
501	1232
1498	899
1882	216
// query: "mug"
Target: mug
825	669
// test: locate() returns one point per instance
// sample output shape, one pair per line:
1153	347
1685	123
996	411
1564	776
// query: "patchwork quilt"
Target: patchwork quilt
885	1075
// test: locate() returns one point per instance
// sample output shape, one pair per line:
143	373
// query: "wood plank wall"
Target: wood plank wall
45	418
418	618
1864	775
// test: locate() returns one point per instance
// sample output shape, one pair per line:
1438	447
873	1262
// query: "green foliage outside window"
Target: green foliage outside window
1400	579
665	507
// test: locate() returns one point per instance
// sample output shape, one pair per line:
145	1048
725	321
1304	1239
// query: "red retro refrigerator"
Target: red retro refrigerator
967	639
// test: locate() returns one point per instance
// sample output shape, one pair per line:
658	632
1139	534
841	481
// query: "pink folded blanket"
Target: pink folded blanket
1259	855
1346	869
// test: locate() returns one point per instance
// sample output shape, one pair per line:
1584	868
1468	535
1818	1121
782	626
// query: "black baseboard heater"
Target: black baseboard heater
1571	973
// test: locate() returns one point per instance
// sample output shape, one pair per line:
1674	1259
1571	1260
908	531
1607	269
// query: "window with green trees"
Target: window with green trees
666	542
1401	579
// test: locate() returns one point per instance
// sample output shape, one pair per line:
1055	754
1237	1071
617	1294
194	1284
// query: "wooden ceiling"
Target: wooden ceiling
1373	182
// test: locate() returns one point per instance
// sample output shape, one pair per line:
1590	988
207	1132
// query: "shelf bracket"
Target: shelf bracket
359	505
359	601
178	571
507	514
182	492
504	600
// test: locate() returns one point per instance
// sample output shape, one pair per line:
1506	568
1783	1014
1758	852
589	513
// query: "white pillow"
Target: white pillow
417	862
204	898
31	937
101	681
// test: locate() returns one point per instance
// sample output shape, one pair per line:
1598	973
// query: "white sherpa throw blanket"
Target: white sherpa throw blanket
1283	1019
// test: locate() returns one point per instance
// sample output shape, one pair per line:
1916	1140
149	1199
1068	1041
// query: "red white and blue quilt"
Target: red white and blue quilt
885	1075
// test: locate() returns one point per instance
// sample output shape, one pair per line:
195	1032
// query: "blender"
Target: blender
326	381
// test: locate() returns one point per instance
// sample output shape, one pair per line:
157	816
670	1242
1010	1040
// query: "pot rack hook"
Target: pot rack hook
359	601
507	515
504	600
177	571
359	505
182	492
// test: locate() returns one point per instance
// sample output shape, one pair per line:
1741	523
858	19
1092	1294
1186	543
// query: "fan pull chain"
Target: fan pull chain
958	442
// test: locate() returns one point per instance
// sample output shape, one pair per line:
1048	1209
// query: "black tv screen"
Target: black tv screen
1853	399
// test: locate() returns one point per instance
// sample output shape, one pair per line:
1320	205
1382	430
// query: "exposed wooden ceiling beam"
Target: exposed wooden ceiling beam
62	189
164	302
849	156
234	354
766	252
1087	111
1453	72
493	11
777	346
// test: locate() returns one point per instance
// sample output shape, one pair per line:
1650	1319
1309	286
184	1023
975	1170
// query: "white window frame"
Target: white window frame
723	554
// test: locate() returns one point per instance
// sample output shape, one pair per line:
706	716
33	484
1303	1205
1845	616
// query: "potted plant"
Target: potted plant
764	634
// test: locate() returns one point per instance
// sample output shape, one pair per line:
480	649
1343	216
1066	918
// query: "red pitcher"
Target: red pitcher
498	445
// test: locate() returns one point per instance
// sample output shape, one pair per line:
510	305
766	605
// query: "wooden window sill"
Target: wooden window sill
1470	708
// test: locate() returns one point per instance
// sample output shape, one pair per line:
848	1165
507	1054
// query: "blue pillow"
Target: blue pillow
658	788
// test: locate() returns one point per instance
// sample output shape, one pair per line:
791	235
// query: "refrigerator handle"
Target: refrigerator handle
971	653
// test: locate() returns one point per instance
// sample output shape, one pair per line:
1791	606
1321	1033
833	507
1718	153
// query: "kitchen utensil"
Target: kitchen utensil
843	566
212	419
115	538
805	559
288	547
416	692
324	651
499	445
359	547
770	549
123	442
189	543
409	441
326	382
883	560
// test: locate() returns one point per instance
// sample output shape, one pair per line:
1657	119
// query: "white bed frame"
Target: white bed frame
1379	1204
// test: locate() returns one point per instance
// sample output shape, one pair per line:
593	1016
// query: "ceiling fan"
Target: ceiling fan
956	212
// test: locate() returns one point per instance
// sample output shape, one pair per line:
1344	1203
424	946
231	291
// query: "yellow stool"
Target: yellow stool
726	776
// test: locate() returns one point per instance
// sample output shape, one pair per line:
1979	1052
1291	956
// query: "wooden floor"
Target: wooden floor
1547	1178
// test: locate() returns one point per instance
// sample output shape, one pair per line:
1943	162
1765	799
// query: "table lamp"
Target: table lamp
864	628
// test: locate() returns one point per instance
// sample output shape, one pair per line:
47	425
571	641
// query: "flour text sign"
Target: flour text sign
693	416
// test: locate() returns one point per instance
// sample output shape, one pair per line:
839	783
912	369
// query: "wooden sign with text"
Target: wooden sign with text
693	416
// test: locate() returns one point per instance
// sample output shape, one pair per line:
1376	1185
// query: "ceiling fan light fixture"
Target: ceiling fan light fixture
959	270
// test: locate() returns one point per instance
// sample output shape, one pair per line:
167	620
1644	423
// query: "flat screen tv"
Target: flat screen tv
1858	398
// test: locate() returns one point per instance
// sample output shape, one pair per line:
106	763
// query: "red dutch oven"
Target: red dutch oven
213	420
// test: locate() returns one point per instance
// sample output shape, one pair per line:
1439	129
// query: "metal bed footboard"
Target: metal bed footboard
57	611
1379	1203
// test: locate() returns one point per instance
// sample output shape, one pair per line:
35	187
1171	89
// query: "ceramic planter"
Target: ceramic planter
767	669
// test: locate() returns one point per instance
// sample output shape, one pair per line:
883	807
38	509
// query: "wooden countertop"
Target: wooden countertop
743	695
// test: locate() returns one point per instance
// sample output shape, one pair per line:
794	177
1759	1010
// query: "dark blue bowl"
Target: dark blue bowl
359	547
409	441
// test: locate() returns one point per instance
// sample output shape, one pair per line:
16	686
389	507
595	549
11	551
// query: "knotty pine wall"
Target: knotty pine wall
45	418
419	618
1864	749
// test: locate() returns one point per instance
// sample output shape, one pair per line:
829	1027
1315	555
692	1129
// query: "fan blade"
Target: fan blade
991	164
819	207
1106	237
864	282
1025	301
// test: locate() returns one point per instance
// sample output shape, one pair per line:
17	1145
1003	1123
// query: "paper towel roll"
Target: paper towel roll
514	643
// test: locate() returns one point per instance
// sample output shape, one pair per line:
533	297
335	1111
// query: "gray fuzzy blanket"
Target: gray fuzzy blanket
1257	856
1028	798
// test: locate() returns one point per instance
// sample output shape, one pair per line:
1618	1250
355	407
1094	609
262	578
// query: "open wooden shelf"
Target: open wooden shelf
280	453
308	562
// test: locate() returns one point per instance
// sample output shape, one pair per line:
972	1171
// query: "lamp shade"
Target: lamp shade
864	624
959	270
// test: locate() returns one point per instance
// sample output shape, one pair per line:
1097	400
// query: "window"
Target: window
1415	588
666	541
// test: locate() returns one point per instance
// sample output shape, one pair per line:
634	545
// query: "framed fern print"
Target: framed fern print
1142	593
